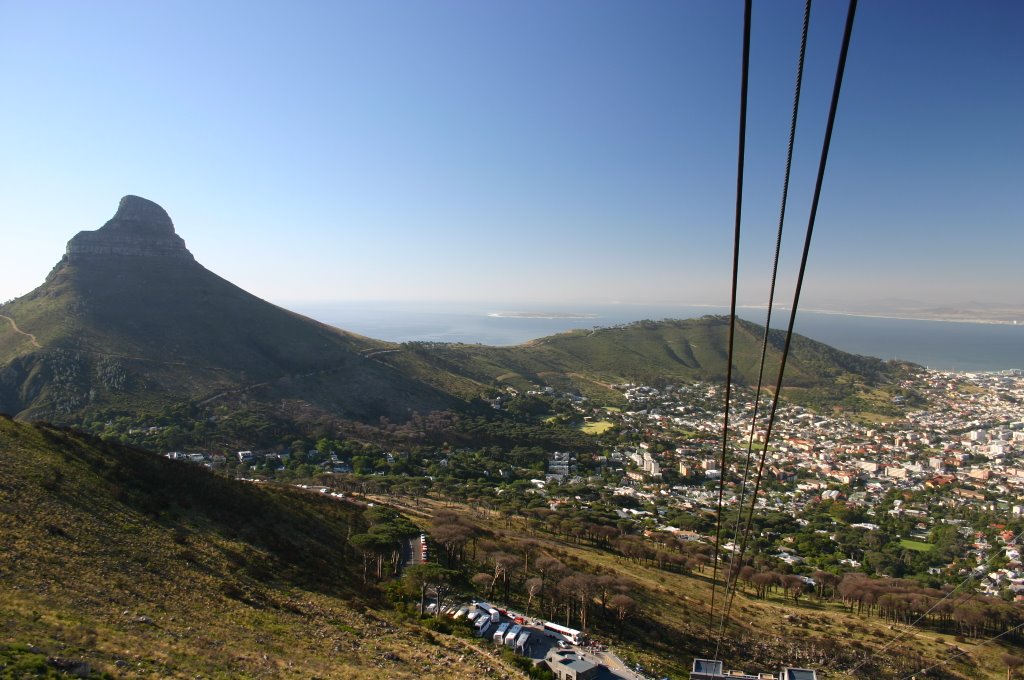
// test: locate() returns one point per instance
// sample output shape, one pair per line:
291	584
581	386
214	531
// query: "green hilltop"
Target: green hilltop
590	361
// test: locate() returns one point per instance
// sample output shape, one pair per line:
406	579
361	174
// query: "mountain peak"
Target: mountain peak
135	212
139	228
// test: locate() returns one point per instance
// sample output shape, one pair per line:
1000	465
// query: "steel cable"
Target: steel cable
747	10
730	581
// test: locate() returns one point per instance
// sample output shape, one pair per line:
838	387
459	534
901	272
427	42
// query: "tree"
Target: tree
421	577
483	581
528	547
550	569
579	588
794	585
747	573
823	580
603	584
632	548
762	582
624	606
534	586
452	532
548	566
390	539
1013	662
370	546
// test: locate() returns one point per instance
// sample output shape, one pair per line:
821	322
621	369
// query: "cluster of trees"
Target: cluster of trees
904	601
383	542
670	554
520	573
558	591
189	426
791	585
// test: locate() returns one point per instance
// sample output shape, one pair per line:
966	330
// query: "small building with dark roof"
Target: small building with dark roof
569	665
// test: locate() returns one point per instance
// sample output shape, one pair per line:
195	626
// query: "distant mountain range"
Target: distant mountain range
128	320
965	311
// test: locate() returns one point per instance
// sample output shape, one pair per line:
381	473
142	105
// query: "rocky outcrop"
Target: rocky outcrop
140	228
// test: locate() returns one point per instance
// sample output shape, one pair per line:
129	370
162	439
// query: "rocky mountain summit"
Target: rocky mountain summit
140	228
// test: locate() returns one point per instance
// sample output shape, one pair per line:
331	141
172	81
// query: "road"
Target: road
412	551
370	354
615	665
31	338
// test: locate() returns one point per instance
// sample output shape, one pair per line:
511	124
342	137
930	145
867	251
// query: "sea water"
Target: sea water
943	345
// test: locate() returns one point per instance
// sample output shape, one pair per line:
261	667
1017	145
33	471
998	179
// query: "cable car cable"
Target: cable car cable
747	6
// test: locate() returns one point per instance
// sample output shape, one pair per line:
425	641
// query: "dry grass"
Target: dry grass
678	607
597	427
189	591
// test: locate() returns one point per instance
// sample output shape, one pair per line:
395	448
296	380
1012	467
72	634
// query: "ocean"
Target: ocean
942	345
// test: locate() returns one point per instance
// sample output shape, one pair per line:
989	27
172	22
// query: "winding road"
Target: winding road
31	338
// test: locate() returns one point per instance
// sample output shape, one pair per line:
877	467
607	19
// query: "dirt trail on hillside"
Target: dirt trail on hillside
31	338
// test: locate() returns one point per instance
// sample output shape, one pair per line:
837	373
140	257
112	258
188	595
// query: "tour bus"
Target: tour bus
493	612
499	635
522	641
512	634
562	633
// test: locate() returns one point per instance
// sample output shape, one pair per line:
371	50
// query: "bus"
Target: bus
512	634
522	641
563	633
499	635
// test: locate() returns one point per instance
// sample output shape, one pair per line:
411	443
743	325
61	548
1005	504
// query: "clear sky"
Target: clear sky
568	151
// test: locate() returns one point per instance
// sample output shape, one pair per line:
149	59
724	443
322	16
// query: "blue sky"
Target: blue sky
519	151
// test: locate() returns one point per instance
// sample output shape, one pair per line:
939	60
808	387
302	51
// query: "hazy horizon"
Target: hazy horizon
565	153
509	304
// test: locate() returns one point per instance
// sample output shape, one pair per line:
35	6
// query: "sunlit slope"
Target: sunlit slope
647	352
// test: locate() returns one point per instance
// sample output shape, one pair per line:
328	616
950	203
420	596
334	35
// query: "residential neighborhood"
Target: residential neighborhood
951	467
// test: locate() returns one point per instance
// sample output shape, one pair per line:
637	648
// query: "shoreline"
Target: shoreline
974	345
881	315
542	315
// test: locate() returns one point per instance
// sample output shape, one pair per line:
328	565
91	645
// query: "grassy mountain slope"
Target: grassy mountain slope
140	566
692	349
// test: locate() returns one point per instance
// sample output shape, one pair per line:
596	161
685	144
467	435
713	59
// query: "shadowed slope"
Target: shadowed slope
138	566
